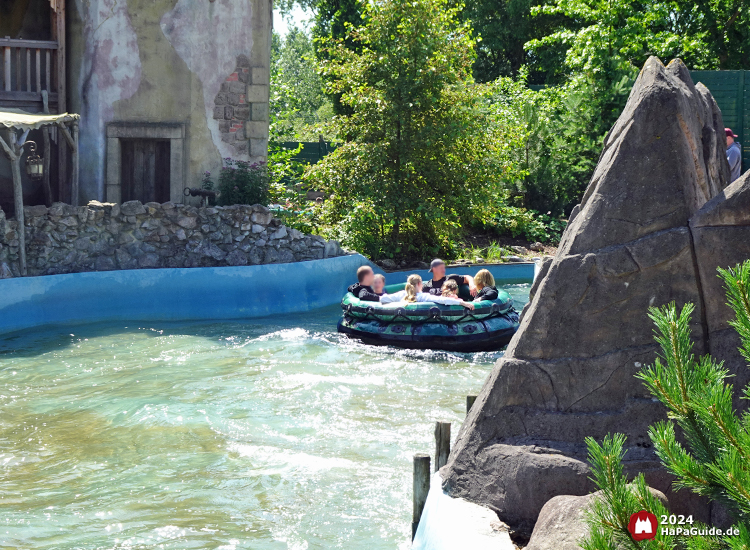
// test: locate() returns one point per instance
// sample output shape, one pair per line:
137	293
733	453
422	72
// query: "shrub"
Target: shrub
242	182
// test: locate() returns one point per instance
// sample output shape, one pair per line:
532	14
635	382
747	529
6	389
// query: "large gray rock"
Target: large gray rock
562	521
568	372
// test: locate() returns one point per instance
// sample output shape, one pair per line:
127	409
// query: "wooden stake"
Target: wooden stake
442	443
15	164
45	136
421	489
74	177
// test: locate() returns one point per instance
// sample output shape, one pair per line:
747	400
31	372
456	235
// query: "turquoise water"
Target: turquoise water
265	434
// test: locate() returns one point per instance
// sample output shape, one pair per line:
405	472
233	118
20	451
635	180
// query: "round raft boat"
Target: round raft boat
426	325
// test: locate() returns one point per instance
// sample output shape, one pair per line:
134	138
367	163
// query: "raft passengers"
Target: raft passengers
413	293
371	287
435	285
362	289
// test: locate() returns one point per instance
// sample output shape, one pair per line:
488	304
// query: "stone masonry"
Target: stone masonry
241	107
131	235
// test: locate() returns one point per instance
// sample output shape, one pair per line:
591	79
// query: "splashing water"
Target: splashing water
267	434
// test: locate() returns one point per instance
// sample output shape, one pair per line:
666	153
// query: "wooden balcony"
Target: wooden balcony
28	68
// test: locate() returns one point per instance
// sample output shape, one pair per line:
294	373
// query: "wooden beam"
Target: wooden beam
74	176
47	151
33	44
62	105
67	135
18	202
6	70
8	150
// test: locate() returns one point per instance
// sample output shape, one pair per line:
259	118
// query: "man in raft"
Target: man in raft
435	285
363	288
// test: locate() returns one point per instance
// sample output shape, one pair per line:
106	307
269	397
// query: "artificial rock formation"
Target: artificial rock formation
652	227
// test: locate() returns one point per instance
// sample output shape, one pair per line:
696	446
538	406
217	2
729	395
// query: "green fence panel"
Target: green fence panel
731	89
312	151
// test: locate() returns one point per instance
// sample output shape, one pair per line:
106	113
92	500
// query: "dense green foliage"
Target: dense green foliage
299	107
503	28
421	153
334	22
475	146
711	457
242	183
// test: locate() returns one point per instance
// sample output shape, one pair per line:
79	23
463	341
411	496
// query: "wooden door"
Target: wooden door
145	170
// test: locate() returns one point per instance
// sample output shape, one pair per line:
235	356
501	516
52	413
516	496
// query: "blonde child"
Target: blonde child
485	286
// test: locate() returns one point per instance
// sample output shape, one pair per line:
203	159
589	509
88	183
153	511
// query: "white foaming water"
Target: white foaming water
266	434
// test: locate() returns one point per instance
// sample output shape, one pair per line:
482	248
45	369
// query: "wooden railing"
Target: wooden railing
28	67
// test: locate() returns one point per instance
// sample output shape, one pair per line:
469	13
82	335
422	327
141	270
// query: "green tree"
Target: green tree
299	105
607	38
503	28
334	22
712	456
418	160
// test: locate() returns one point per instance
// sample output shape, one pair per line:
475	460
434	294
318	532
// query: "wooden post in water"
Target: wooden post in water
421	488
470	403
442	443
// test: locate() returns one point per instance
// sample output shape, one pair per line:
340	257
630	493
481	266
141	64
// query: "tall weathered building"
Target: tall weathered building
165	89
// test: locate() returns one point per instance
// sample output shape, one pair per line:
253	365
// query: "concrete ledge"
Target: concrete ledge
175	294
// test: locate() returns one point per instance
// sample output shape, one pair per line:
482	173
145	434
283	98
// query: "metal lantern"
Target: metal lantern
34	163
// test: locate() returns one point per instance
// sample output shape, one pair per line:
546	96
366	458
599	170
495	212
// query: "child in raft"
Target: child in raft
378	284
450	289
413	293
485	283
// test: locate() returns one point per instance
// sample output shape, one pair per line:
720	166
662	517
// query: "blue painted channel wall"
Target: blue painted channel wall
193	293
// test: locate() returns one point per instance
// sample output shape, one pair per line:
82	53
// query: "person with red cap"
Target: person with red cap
734	155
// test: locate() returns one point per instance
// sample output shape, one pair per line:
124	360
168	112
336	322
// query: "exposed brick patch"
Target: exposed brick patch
231	105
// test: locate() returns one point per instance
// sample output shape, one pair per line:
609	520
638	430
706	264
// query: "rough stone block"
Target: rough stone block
218	112
242	112
259	111
256	129
260	75
257	93
228	112
258	147
235	87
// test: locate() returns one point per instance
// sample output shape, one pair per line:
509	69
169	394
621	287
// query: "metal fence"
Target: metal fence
312	151
731	89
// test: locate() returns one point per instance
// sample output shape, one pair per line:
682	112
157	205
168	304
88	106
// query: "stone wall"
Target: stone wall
131	235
